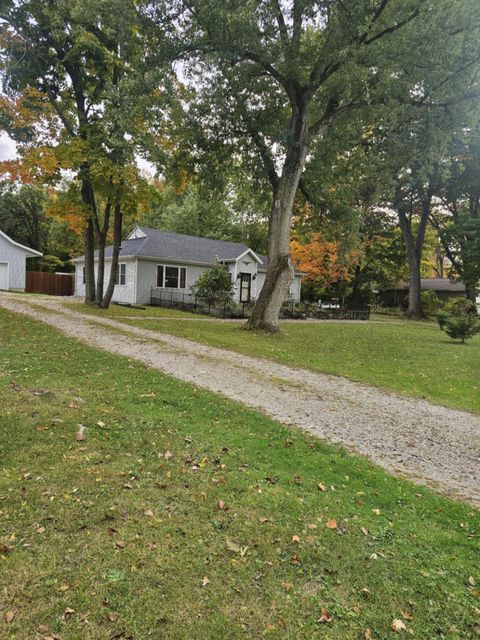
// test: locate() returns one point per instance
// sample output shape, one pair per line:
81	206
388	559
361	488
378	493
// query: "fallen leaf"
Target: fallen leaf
120	544
205	581
376	511
167	455
221	505
41	530
148	513
367	634
42	628
325	617
231	546
64	587
100	424
68	612
322	487
295	538
397	625
112	616
287	586
332	523
406	615
9	615
364	531
471	581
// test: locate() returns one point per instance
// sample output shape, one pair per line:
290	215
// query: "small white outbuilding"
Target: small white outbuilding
13	263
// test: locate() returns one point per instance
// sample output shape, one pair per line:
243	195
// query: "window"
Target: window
121	276
83	275
171	277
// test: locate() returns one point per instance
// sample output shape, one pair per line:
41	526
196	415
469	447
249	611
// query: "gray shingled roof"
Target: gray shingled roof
178	247
437	284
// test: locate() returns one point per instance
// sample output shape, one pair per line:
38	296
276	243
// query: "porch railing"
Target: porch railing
228	308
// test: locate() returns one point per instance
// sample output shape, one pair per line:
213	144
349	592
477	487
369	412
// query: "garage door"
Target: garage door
3	275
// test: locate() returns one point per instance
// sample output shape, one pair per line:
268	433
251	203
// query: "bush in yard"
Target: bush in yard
462	327
442	317
460	307
431	303
214	285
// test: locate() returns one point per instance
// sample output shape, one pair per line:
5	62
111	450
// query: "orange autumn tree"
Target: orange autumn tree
322	261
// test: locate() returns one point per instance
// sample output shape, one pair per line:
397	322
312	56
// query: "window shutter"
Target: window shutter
183	273
159	275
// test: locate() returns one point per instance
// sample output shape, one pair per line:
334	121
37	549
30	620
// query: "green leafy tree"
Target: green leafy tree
457	217
276	76
214	284
79	87
462	327
22	214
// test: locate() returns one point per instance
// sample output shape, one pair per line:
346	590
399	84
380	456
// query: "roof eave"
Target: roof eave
32	253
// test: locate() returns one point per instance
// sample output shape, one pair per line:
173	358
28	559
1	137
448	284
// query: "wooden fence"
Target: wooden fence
53	284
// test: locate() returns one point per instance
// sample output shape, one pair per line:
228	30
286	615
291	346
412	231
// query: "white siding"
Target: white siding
141	277
122	292
15	257
294	290
147	278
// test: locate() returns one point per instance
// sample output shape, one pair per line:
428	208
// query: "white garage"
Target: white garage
13	263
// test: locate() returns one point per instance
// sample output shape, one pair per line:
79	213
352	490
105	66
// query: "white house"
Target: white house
13	263
154	262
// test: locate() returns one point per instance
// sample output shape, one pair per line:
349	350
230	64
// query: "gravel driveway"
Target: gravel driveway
410	437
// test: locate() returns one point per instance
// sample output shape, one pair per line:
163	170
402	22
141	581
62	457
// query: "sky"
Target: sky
7	147
8	152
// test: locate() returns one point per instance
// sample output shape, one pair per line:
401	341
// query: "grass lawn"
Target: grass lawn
117	310
412	358
183	515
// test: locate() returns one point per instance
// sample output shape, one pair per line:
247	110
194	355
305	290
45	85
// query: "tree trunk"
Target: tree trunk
117	241
89	238
280	271
414	310
100	270
471	293
414	248
89	244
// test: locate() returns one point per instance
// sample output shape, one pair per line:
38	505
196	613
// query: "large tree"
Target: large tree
87	60
276	75
456	217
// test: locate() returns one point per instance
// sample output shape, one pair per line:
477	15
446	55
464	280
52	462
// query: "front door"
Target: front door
245	286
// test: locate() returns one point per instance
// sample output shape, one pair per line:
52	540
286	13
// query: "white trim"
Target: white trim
136	233
244	253
179	266
135	276
8	274
32	252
